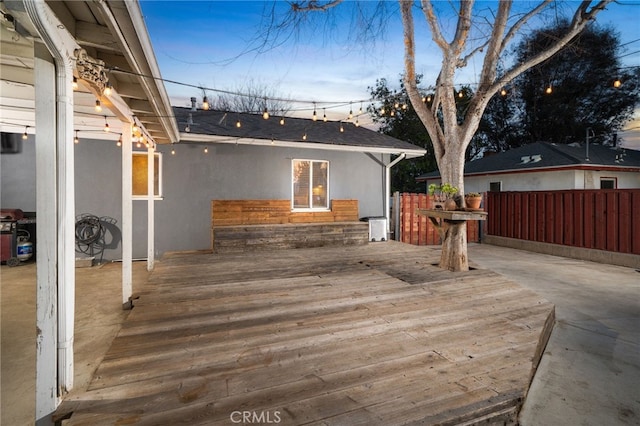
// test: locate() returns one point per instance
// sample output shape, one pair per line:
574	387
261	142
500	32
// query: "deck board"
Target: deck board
373	334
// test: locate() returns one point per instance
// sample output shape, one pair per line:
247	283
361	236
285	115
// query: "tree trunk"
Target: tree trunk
454	247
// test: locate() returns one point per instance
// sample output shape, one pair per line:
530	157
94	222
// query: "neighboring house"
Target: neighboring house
548	166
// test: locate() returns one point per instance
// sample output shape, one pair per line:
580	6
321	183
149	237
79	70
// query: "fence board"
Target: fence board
599	219
418	230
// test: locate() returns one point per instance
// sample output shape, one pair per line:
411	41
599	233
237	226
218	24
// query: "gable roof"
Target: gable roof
540	156
220	127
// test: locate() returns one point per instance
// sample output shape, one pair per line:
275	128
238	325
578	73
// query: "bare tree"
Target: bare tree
251	97
450	131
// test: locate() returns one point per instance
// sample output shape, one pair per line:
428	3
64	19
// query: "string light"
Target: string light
360	110
238	124
265	113
25	135
173	150
76	139
135	129
350	111
503	92
341	128
206	149
429	98
548	90
282	121
119	143
315	116
107	90
324	115
357	123
205	104
106	125
617	83
98	106
304	137
74	84
460	94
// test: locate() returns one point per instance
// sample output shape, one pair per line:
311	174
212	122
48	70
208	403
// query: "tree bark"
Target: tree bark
454	247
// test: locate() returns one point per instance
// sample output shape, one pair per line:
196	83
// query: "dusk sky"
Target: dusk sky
209	44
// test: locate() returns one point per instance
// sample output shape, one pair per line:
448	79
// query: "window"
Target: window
139	162
608	183
310	184
495	186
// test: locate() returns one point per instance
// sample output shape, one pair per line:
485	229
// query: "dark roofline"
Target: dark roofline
220	127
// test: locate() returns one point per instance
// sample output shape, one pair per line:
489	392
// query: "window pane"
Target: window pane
301	184
139	175
319	184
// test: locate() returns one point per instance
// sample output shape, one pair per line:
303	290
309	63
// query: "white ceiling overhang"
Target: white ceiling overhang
113	35
186	138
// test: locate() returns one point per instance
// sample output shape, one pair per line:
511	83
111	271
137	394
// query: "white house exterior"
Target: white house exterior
546	166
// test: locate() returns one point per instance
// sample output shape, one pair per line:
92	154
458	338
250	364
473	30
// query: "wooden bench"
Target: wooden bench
246	225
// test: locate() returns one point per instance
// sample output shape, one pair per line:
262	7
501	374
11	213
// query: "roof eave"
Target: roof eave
230	140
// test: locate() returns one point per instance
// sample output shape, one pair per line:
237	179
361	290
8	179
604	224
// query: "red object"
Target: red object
11	214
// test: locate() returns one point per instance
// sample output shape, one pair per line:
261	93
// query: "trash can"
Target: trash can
377	228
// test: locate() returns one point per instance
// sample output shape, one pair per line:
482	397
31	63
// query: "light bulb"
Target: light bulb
503	92
360	110
548	90
107	90
106	125
424	99
25	135
460	94
324	115
134	129
119	143
74	84
138	145
350	112
357	123
265	113
341	128
98	106
206	150
315	116
304	137
282	121
238	124
617	83
429	98
382	111
205	103
173	151
76	139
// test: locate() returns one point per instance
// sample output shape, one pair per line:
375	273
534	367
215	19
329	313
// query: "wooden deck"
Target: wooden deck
371	335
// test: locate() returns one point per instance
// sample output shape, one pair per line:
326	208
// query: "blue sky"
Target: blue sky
196	42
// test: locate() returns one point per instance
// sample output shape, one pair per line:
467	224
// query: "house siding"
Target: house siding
191	179
551	180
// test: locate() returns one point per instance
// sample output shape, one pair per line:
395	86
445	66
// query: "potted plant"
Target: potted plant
443	196
473	200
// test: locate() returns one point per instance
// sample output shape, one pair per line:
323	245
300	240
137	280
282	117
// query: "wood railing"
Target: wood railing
595	219
417	229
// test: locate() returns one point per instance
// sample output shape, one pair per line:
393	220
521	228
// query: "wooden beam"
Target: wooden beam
150	207
47	237
127	217
134	91
98	36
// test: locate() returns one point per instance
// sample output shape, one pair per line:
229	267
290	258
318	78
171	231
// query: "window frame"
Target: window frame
609	179
325	208
156	155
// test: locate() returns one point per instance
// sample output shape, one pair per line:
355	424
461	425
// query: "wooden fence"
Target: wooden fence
418	230
596	219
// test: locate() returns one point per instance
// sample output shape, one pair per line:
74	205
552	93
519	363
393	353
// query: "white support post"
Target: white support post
150	207
66	223
47	237
127	217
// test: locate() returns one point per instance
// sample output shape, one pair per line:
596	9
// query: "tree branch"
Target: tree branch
313	5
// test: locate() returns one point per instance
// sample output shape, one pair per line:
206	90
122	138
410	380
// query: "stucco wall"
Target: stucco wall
191	179
18	178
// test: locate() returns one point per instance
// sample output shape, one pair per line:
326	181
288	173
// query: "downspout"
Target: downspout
387	189
61	47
